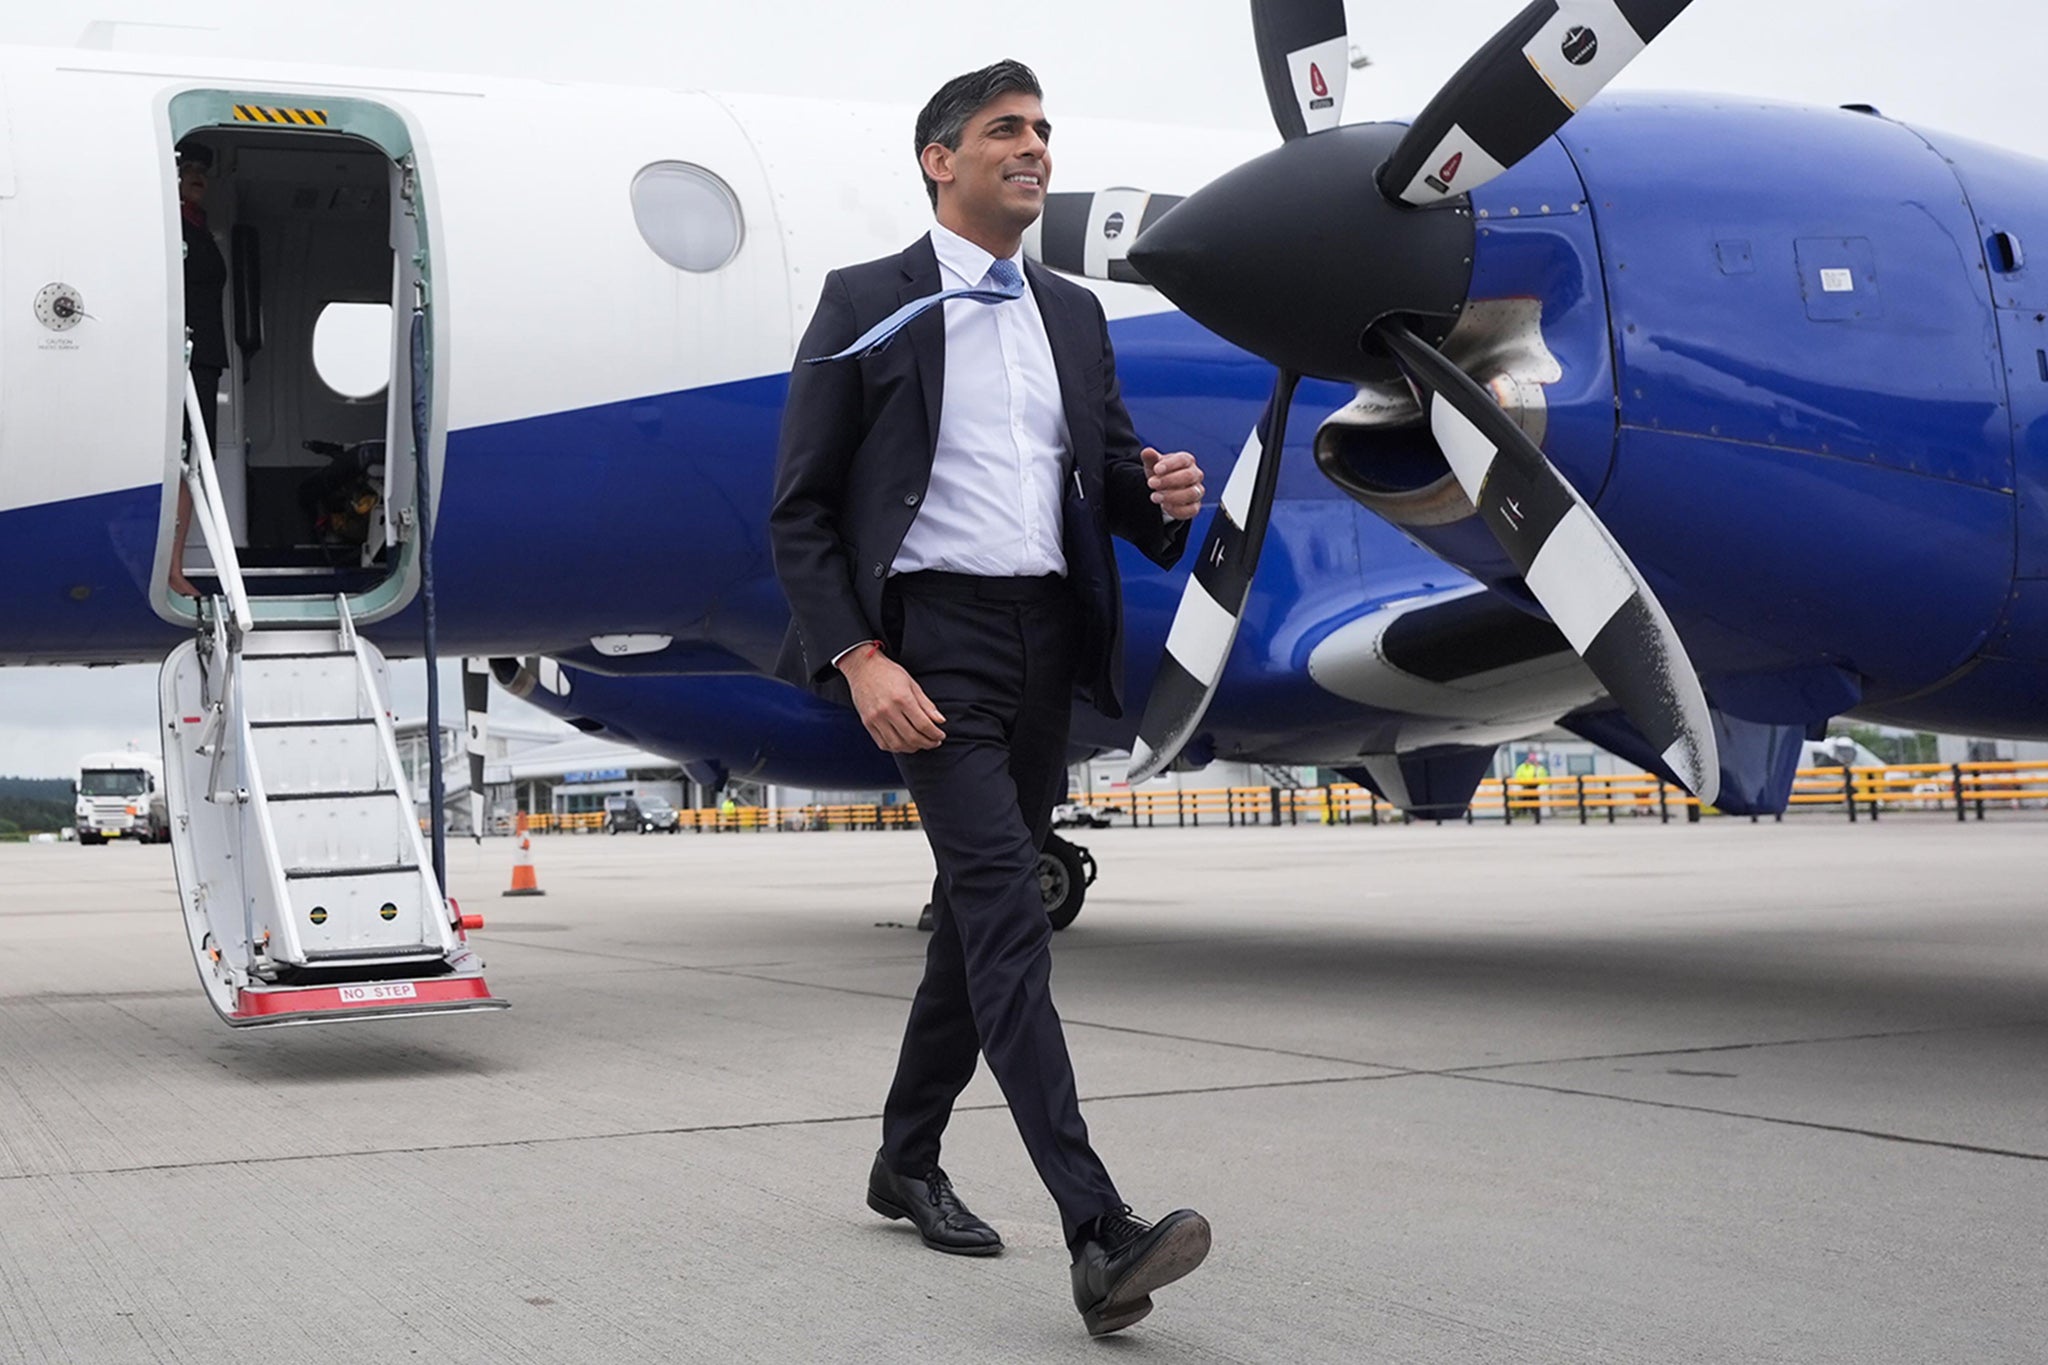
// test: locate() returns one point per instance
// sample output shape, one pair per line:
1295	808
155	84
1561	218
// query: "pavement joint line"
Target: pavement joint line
1705	1048
1814	1125
1397	1067
741	973
683	1130
1392	1069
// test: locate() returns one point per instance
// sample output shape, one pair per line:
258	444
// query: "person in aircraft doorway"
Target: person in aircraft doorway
942	522
206	277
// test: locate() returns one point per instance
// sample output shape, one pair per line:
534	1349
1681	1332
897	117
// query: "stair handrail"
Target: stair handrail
210	509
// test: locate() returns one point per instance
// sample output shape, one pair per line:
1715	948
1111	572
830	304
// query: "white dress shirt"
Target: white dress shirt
993	505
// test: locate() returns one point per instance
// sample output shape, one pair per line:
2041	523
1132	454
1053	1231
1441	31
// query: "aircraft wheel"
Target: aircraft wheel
1064	873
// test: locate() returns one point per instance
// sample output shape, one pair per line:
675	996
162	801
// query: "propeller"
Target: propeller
1304	54
1310	258
476	702
1205	623
1089	232
1518	90
1585	582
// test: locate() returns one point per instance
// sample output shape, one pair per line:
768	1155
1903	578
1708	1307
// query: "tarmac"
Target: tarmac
1724	1092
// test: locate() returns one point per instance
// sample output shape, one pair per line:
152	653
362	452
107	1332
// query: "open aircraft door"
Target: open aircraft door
305	883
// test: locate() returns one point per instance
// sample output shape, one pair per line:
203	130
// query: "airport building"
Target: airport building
541	771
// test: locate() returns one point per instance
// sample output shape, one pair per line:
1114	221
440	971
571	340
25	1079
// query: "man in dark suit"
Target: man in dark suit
942	522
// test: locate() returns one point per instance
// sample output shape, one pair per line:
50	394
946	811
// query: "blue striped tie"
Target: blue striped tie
1003	277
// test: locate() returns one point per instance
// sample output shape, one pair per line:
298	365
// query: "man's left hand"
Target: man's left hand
1176	482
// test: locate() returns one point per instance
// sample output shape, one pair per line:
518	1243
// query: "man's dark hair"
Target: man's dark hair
944	117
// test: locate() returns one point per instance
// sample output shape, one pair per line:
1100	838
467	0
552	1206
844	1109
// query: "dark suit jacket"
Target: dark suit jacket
206	275
856	456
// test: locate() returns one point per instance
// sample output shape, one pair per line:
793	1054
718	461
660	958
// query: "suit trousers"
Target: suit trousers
997	657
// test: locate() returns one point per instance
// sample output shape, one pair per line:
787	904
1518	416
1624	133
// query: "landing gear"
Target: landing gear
1065	872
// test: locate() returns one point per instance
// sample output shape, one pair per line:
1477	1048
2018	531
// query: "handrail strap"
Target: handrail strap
211	511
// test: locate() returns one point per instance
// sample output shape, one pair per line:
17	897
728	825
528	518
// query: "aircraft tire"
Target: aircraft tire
1062	880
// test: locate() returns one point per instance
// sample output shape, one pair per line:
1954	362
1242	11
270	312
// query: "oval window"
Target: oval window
687	215
352	348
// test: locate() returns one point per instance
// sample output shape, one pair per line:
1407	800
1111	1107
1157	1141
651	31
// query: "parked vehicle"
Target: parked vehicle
640	815
121	796
1081	815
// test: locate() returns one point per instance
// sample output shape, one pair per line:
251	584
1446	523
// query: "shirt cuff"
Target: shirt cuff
850	648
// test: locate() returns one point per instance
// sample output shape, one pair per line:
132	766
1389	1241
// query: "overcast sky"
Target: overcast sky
1969	67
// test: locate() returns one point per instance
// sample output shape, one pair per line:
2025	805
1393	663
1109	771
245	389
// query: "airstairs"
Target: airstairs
307	890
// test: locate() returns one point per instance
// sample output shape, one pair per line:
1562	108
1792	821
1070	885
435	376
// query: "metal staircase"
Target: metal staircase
306	887
1282	775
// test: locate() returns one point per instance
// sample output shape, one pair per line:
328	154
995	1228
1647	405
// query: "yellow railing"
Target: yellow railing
1962	790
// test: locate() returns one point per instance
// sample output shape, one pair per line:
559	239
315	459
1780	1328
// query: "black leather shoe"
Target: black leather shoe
942	1220
1125	1258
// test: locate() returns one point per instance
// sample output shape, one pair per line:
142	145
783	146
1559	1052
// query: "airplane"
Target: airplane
1785	368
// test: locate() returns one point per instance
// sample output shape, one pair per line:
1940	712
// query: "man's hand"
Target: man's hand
1176	482
899	716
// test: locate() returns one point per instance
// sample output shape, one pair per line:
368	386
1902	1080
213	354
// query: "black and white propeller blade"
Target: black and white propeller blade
1089	232
1571	564
476	702
1518	90
1304	54
1205	623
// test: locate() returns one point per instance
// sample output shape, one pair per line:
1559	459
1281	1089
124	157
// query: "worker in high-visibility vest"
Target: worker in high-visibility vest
1528	774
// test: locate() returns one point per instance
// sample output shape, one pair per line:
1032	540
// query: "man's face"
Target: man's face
1003	166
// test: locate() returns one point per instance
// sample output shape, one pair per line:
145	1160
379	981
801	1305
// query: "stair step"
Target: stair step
298	685
335	873
344	911
356	794
409	950
343	834
322	760
311	724
275	642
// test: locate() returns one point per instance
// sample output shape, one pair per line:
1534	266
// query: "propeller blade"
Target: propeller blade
1518	90
1205	623
476	701
1571	564
1089	232
1305	55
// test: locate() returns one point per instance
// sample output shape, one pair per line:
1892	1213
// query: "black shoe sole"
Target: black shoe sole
1184	1246
890	1210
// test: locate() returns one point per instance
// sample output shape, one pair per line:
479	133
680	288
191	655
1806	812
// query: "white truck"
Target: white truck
121	796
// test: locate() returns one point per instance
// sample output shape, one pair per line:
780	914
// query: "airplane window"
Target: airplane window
352	348
687	215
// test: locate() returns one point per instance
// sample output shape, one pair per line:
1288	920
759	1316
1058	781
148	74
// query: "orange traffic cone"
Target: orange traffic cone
524	883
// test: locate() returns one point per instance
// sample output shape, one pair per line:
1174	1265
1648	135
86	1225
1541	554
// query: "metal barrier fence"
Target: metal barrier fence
1963	790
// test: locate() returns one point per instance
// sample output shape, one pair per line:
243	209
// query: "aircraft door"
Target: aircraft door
2009	200
2024	334
319	209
